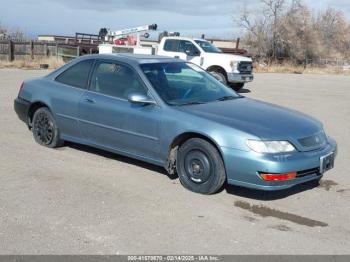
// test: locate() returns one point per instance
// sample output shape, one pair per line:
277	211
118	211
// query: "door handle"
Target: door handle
89	100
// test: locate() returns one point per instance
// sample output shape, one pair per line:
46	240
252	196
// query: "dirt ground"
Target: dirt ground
79	200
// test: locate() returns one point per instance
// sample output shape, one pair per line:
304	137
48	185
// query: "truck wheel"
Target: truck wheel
220	76
200	166
236	86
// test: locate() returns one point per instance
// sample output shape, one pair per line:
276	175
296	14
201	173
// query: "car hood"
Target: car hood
264	120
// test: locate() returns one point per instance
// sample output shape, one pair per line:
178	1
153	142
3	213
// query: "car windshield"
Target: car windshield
208	47
182	83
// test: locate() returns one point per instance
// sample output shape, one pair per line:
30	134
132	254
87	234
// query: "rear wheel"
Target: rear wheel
200	166
236	86
45	130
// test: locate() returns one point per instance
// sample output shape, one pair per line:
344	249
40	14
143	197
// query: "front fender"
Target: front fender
179	123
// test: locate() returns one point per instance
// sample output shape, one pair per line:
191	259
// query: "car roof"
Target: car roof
185	38
134	58
131	59
200	39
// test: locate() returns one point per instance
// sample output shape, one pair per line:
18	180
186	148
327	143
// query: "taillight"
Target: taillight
278	177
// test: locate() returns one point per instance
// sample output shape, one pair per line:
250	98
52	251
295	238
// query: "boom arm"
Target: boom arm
106	34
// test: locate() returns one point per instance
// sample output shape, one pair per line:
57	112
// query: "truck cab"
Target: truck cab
232	70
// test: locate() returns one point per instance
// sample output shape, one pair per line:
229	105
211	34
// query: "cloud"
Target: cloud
319	5
190	17
184	7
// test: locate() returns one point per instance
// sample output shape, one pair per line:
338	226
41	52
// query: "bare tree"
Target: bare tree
16	33
289	29
263	27
301	39
3	31
334	31
273	10
257	31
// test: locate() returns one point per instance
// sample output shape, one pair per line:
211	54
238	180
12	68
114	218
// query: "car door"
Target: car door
109	120
68	88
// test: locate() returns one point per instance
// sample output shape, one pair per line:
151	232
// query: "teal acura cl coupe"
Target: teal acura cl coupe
174	114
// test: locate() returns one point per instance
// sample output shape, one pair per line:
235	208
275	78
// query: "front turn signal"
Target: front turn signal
278	177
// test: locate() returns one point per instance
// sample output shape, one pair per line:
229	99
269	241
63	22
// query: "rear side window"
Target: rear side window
171	45
77	75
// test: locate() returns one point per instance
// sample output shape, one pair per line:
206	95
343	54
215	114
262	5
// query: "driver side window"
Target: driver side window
116	80
188	46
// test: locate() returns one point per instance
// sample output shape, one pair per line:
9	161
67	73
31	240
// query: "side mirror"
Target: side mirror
138	98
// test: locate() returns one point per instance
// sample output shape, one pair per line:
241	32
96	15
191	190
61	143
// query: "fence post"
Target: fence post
31	49
46	50
10	51
78	51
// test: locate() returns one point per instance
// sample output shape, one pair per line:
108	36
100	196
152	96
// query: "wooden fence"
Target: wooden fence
16	50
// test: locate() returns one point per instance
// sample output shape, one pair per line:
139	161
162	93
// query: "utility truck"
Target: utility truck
232	70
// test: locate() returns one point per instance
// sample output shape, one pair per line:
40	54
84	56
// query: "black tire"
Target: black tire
236	86
200	167
45	130
220	76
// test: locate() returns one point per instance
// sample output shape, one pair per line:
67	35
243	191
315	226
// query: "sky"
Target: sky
214	18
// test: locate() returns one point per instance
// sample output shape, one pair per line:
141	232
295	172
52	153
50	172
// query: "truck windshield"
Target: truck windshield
181	83
208	47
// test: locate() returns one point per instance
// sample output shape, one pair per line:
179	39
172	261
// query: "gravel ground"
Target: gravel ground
79	200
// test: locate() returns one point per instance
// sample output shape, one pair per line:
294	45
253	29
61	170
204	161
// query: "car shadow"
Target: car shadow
269	195
121	158
244	91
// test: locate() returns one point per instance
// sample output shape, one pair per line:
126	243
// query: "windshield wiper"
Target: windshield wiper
224	98
185	104
192	103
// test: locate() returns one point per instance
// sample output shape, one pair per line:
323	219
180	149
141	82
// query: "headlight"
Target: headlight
260	146
234	65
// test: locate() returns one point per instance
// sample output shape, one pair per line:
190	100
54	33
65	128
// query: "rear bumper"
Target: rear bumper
21	107
243	167
239	78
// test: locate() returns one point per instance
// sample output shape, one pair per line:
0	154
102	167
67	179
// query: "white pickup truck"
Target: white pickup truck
232	70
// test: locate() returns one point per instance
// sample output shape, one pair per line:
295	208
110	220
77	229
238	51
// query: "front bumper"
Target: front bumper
21	107
239	78
243	167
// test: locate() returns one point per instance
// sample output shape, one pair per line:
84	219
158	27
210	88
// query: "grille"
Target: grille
245	67
308	172
314	141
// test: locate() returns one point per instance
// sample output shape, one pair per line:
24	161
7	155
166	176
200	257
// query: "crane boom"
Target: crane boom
134	30
106	34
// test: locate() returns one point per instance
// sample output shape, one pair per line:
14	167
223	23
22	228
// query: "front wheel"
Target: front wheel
45	130
220	76
236	86
200	166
